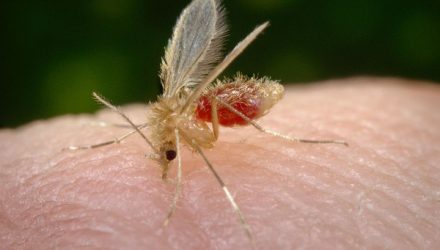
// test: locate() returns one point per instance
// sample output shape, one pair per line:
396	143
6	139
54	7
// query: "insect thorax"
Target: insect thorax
166	117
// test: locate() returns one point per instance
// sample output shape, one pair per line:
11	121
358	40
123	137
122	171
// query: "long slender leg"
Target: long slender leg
228	194
116	125
179	180
268	131
214	118
117	140
117	110
225	189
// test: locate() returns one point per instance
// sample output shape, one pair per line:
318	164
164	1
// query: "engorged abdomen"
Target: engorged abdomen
250	96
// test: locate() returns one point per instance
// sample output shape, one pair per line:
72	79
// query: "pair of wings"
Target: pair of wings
193	55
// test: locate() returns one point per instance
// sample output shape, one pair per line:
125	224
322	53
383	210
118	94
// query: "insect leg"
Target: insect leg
117	110
214	118
228	194
274	133
179	180
116	125
116	140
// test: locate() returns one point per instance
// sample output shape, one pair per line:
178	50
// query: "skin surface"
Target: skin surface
381	192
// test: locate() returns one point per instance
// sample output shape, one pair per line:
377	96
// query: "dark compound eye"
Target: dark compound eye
170	154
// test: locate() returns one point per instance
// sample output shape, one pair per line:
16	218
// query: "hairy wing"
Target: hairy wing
238	49
195	46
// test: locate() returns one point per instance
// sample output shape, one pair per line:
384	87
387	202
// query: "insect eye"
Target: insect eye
170	154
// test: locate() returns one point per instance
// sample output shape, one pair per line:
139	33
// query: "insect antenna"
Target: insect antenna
117	110
178	180
228	194
273	133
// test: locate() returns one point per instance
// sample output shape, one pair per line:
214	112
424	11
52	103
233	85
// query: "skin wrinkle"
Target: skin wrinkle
207	195
57	192
284	198
313	185
409	233
99	198
311	221
62	230
389	202
395	199
338	203
403	181
81	217
215	198
327	168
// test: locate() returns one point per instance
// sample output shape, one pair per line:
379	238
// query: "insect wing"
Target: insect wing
195	46
239	48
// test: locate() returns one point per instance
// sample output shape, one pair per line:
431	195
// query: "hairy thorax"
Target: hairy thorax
166	117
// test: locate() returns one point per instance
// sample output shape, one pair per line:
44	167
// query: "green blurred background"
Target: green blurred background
55	53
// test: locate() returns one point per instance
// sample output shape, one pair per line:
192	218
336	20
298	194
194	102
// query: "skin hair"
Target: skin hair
381	192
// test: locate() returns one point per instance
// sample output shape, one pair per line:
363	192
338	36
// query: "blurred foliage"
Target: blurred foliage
55	53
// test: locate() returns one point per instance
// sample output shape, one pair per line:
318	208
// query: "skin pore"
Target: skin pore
381	192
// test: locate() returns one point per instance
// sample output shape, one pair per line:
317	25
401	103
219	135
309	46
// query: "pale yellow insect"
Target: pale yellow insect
191	63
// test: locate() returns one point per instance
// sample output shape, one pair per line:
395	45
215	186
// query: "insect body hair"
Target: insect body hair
164	119
270	91
251	96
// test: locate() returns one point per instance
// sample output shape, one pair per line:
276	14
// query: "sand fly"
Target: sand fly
192	97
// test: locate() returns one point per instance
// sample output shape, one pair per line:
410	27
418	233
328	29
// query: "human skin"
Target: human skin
380	192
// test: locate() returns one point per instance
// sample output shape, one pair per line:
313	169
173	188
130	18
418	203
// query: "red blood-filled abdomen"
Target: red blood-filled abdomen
249	107
250	96
244	97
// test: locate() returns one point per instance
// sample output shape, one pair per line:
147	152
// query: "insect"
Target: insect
191	100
